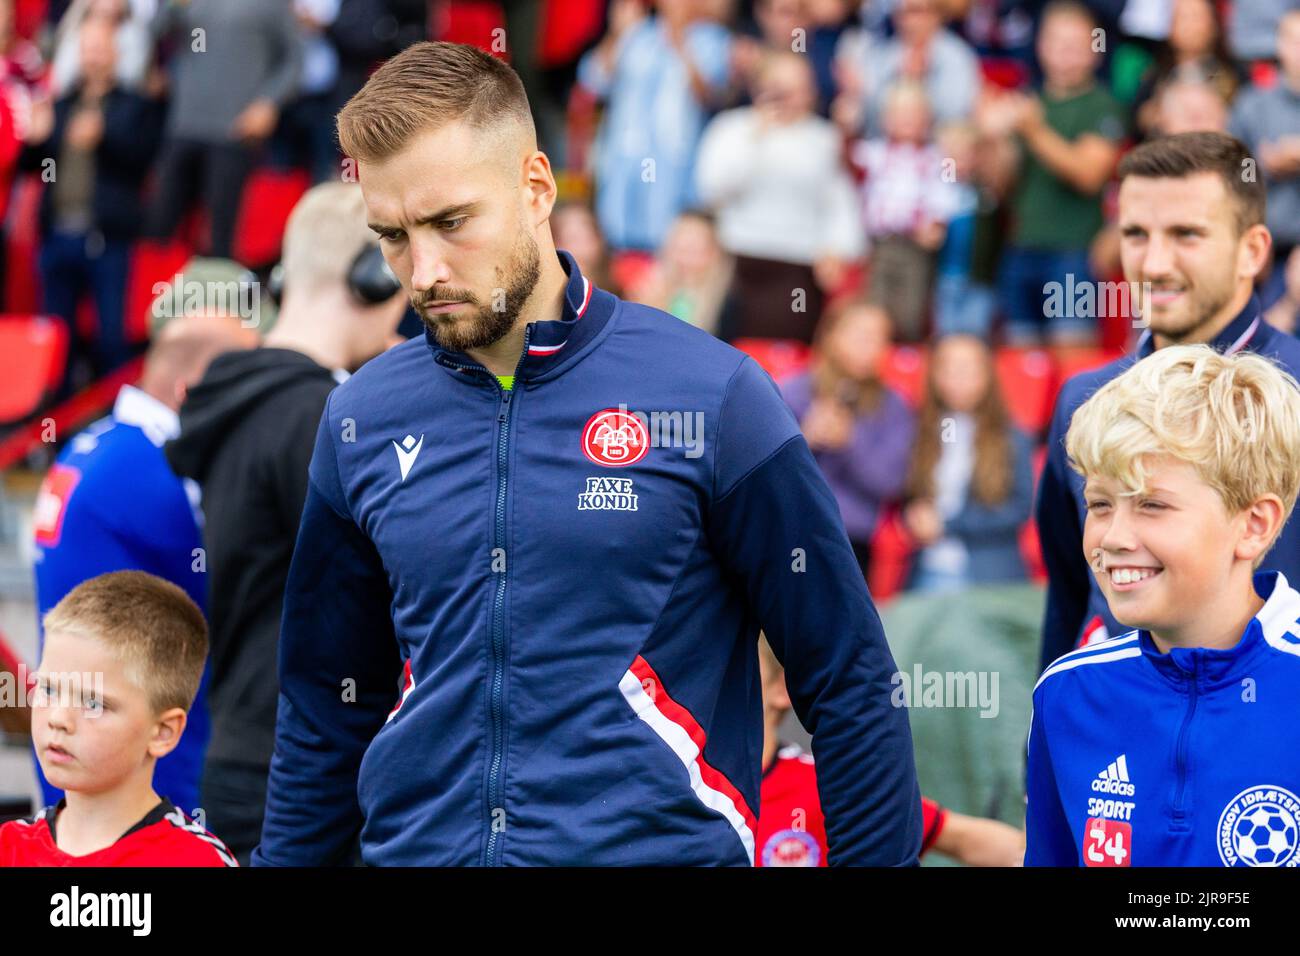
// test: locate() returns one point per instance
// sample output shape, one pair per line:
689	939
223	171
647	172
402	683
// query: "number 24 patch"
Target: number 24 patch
1107	843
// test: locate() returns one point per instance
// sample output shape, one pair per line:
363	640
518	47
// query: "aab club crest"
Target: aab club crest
615	438
791	848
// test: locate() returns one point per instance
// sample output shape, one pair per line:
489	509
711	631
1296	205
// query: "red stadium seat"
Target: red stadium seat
904	371
780	358
1071	363
151	263
1026	377
33	351
269	197
21	274
568	28
472	22
630	271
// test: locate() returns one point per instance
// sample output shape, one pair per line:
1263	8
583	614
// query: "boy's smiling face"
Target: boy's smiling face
92	735
1161	554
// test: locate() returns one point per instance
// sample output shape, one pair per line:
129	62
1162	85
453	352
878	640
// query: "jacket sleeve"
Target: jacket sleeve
1047	833
777	530
339	667
1061	539
978	521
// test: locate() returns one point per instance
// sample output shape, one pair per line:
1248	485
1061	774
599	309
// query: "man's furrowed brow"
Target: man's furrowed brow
449	212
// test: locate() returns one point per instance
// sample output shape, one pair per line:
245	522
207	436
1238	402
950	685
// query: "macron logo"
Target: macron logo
1114	779
407	452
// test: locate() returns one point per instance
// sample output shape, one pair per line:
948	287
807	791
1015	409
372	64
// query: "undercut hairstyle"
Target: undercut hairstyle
1234	418
150	625
424	87
1185	154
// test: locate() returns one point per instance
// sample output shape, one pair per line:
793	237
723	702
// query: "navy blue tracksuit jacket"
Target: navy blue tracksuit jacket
567	578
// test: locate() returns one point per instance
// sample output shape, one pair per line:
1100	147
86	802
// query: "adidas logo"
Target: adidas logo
1114	779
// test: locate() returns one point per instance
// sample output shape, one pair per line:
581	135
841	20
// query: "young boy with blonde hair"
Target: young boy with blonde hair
1169	745
120	668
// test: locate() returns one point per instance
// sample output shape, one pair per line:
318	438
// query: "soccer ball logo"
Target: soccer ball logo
1262	831
1264	835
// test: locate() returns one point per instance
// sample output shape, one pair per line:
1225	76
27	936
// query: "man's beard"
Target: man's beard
484	324
1200	306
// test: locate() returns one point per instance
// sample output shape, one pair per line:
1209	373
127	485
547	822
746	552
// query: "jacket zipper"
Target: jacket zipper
1179	817
496	677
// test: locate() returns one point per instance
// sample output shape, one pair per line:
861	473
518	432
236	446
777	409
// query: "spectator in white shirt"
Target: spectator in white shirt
774	174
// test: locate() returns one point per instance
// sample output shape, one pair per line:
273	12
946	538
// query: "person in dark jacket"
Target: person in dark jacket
521	629
1193	234
93	148
247	433
971	484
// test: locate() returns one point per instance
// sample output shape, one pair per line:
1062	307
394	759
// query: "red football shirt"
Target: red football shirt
163	837
791	828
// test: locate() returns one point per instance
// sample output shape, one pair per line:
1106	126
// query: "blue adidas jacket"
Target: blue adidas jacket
572	612
1138	758
1073	596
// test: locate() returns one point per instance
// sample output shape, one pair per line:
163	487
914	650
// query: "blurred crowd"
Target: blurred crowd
829	177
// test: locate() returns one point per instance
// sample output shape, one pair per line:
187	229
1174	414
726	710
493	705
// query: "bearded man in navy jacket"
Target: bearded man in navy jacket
538	545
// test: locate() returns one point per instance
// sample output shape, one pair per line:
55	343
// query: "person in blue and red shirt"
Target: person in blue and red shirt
122	662
791	830
111	503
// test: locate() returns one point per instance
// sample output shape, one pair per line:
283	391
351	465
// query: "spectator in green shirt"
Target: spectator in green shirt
1055	151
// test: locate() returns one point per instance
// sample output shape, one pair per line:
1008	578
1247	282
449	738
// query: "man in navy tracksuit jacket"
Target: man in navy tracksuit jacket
1138	758
566	567
1208	237
575	627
